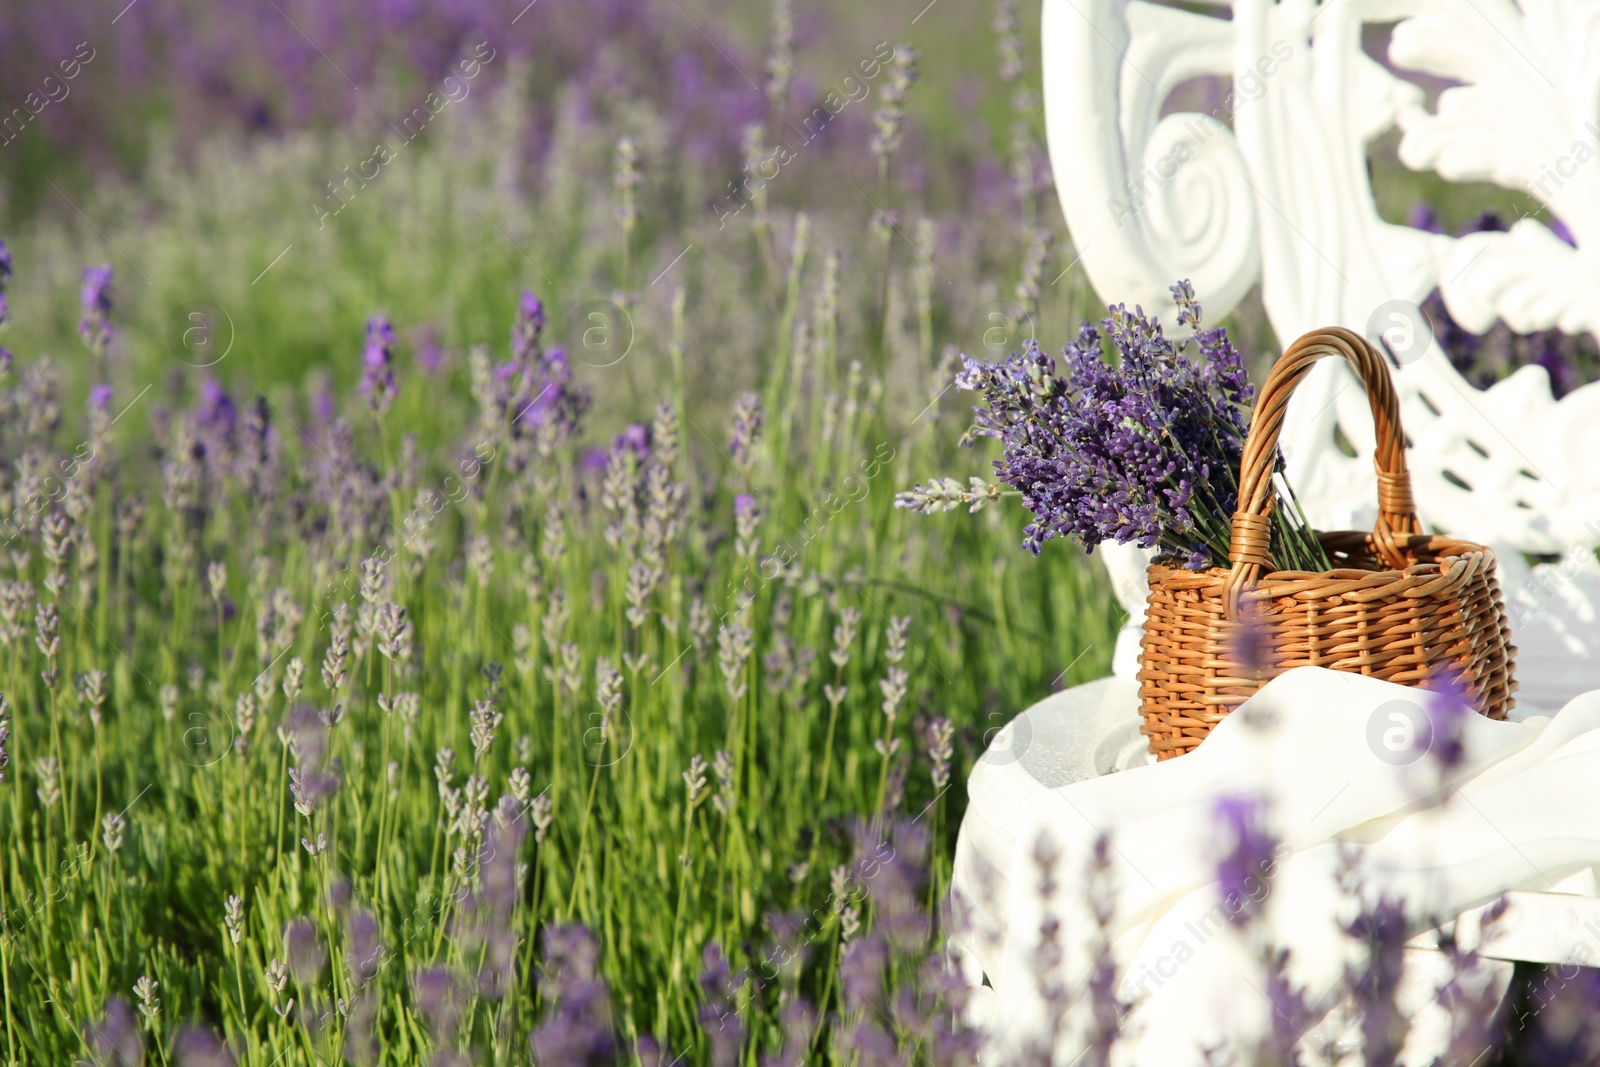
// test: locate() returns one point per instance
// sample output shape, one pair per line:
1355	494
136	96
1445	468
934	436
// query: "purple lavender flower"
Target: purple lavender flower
1484	359
546	397
1565	1029
931	1009
5	272
635	439
5	735
532	392
1381	929
429	353
440	1000
310	788
1448	705
95	325
871	1044
525	331
377	360
1423	217
718	1015
198	1047
1250	642
114	1039
747	419
1289	1019
1471	1000
1461	346
484	924
798	1020
100	397
1249	857
364	949
1486	221
577	1031
1147	451
215	413
306	956
861	968
649	1053
322	406
790	946
1554	351
361	1030
892	863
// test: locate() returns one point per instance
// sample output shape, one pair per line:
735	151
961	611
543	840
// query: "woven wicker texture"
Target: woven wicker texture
1399	604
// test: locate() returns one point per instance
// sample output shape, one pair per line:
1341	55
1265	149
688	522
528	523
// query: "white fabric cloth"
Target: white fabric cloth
1518	812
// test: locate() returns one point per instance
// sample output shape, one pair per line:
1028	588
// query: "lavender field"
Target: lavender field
453	604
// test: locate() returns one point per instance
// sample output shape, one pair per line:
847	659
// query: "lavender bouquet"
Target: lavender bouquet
1144	450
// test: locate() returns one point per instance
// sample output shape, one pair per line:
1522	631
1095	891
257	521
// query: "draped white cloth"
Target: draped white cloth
1339	759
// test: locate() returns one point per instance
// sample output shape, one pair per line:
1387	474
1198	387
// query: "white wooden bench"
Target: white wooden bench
1273	188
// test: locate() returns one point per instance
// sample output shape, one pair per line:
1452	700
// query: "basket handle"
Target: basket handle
1397	509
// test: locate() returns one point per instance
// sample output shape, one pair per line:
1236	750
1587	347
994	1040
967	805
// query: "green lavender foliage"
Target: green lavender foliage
200	601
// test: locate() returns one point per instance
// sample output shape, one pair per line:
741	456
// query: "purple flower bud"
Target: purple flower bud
1250	642
747	421
365	949
525	331
115	1038
216	413
1423	217
439	999
377	383
5	272
1249	857
1381	930
95	326
718	1015
861	972
896	883
429	353
306	956
198	1047
322	406
306	739
578	1029
1486	221
100	397
635	439
1566	1029
1448	705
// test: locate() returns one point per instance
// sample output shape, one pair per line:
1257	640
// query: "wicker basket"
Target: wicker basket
1399	605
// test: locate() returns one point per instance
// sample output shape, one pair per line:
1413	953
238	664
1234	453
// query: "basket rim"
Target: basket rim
1456	561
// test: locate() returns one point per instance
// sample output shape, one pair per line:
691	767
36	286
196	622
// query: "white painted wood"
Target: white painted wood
1273	188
